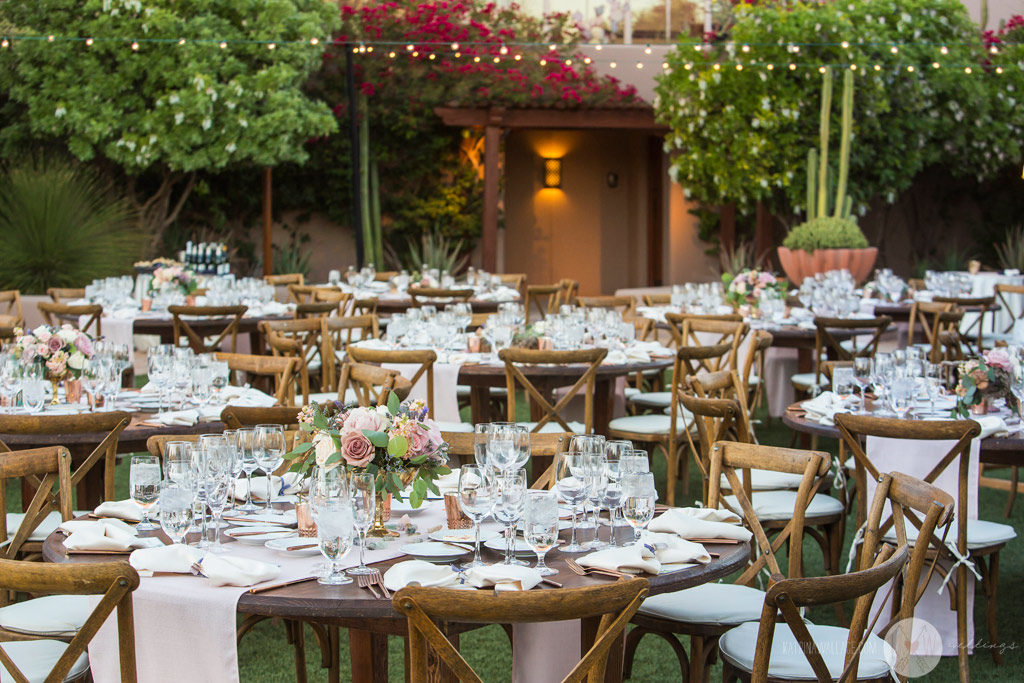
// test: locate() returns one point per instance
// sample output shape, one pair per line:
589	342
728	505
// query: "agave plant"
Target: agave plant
434	251
740	257
1011	251
62	226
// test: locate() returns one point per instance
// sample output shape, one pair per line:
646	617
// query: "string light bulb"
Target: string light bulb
135	46
415	53
688	66
49	38
181	41
894	49
543	62
770	67
273	46
369	48
503	50
999	69
717	66
455	47
456	55
910	68
613	65
586	60
517	57
88	42
647	50
994	50
944	50
792	66
845	44
5	43
821	69
568	62
597	48
745	48
878	67
223	45
410	48
936	65
639	65
739	67
392	54
314	41
967	70
664	65
496	59
552	47
853	67
477	60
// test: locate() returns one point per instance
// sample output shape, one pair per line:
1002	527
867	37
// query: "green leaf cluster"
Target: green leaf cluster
742	136
826	232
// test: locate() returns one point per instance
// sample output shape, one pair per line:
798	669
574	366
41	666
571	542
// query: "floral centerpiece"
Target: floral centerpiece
397	443
981	381
749	285
173	278
61	351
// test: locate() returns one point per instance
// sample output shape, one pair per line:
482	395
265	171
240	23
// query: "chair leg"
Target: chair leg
990	584
1014	478
633	640
961	622
296	635
671	463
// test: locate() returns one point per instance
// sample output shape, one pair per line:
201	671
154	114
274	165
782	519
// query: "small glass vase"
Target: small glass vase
73	390
980	408
304	517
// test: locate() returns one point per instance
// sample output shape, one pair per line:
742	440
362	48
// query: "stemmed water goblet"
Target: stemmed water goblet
363	492
244	441
594	472
509	503
476	498
175	509
540	526
144	482
862	376
572	487
219	481
269	449
638	496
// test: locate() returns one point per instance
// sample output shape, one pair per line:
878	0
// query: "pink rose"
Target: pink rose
356	449
434	432
365	418
56	366
998	358
54	344
419	441
43	350
84	345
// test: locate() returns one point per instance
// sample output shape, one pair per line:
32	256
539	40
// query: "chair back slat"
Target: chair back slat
283	373
183	318
424	358
371	384
516	359
56	314
237	417
46	470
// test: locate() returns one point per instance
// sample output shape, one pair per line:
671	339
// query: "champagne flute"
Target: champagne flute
508	508
268	447
540	526
476	498
638	495
144	482
481	434
219	481
363	490
175	509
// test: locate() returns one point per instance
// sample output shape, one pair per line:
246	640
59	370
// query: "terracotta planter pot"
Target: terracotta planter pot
798	264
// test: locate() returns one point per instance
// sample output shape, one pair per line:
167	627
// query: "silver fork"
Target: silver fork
366	581
580	570
376	578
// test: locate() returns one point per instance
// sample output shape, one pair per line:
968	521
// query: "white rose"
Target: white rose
76	361
68	336
41	331
323	448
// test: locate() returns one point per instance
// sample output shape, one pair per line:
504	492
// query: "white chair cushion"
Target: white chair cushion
35	659
718	604
454	426
655	425
553	427
806	379
787	660
47	527
980	533
630	392
463	391
51	615
778	505
651	399
753	380
768	480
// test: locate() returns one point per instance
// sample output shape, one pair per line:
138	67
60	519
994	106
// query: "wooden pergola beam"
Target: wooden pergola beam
634	118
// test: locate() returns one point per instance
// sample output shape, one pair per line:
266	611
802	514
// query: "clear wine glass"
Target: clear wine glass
144	482
363	490
175	509
244	439
638	496
540	526
269	449
481	434
476	498
218	483
843	384
572	487
862	376
594	465
510	500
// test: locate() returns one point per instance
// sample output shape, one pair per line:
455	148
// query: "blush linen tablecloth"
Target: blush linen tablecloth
185	628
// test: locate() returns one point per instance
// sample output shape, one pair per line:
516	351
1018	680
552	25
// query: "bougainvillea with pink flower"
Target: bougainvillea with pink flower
60	350
983	379
398	443
748	286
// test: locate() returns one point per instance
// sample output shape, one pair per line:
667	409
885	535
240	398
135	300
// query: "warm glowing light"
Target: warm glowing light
88	41
181	41
845	44
223	45
613	65
314	41
135	46
553	173
271	46
745	48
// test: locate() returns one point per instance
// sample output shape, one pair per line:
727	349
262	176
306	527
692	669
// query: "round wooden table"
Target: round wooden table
370	620
480	378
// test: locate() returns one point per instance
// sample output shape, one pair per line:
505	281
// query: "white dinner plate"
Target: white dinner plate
268	532
467	536
432	551
282	546
563	524
521	549
260	518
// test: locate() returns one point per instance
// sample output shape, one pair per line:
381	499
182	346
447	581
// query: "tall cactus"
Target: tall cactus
817	160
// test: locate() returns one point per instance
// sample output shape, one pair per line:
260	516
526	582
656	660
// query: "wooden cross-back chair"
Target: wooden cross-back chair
237	417
688	330
341	300
364	306
157	444
551	412
545	449
1003	294
951	343
434	295
111	424
424	358
114	581
286	377
184	317
656	299
315	310
981	541
665	432
62	294
11	300
513	280
626	305
570	288
285	279
542	299
47	472
753	367
866	335
717	401
370	385
303	294
931	317
982	306
303	341
337	334
55	314
614	602
699	611
782	646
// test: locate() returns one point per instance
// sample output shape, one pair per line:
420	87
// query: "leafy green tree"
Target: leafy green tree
742	135
159	112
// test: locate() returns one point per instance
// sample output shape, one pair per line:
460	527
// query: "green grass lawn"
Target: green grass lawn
265	656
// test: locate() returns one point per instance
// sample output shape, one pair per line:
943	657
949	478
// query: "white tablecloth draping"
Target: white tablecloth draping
917	458
446	380
185	628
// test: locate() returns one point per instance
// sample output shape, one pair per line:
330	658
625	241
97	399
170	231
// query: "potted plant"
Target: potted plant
829	239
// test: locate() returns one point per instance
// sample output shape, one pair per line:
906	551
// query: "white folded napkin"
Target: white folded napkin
176	559
670	549
615	357
656	313
823	407
120	509
247	397
103	535
269	308
375	344
448	481
73	525
991	425
230	570
504	577
686	524
806	325
651	348
631	558
287	485
420	572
